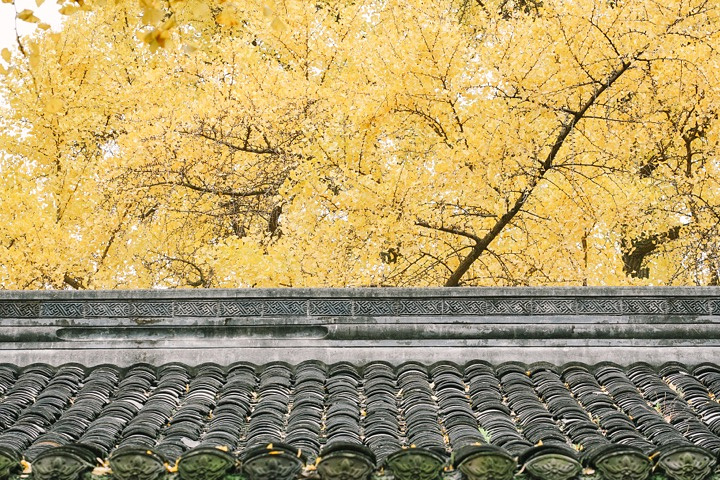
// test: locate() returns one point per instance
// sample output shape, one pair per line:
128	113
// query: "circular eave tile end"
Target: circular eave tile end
133	451
205	463
485	462
78	453
430	454
134	463
686	462
213	451
472	451
552	466
9	462
348	448
618	462
546	449
281	449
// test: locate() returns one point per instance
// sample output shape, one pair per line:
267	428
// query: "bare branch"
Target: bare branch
482	245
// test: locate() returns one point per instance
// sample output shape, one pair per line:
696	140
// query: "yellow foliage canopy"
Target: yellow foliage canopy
370	142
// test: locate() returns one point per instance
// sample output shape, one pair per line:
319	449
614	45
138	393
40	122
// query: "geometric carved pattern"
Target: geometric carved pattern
646	306
19	310
286	307
418	307
554	307
360	306
493	306
601	306
330	307
465	307
240	309
152	309
195	309
689	306
715	307
107	309
62	309
374	307
509	306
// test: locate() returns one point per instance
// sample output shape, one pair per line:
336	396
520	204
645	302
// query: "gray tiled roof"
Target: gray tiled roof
175	409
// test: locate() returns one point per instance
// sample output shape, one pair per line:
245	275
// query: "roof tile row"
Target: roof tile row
577	412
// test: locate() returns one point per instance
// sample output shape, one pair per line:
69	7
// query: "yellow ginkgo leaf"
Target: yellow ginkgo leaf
278	25
169	24
39	2
28	15
53	105
44	26
35	59
227	19
199	9
6	54
68	9
152	16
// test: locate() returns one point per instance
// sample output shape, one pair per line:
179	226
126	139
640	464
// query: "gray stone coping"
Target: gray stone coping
592	324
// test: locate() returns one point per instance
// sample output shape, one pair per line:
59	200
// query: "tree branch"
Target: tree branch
546	165
454	231
198	188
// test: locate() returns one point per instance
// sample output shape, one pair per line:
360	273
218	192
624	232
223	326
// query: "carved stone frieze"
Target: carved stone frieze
363	305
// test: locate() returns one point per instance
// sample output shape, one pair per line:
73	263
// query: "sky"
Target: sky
47	12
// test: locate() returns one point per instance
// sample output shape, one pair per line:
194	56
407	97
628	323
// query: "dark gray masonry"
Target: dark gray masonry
557	325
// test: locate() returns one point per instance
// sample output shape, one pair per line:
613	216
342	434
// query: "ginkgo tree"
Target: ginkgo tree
168	143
